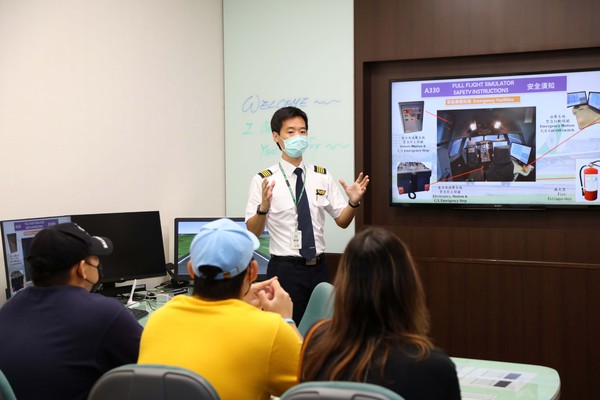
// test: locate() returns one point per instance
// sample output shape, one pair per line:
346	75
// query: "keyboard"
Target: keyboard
137	313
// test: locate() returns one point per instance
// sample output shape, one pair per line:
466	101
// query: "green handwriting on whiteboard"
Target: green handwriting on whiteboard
252	129
254	103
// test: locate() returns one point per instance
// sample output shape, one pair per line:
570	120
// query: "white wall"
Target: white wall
111	105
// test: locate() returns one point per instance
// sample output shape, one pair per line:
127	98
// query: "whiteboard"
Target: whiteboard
279	53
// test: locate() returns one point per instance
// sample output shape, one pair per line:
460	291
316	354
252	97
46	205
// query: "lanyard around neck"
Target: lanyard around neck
290	186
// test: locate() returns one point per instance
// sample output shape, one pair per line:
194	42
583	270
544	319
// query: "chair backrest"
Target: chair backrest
502	167
6	392
320	306
152	382
339	390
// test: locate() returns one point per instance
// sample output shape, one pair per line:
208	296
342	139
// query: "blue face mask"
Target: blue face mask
295	146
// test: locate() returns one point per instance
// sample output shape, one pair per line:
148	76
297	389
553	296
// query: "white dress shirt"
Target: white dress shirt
323	195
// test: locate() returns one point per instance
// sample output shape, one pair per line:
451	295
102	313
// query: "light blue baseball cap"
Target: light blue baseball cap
224	244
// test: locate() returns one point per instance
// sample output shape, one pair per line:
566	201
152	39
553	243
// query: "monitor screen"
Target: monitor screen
187	228
430	167
576	99
137	238
594	100
515	138
138	244
520	153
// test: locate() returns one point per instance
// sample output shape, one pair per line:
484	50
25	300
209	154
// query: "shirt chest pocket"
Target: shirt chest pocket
319	198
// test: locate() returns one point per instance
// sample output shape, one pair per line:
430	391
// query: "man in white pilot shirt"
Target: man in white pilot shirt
275	201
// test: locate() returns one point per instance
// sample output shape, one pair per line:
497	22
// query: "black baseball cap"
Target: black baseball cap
61	246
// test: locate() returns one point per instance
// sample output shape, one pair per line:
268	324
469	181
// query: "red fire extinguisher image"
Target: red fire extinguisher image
588	178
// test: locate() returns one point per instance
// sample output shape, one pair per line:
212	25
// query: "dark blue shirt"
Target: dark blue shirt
55	342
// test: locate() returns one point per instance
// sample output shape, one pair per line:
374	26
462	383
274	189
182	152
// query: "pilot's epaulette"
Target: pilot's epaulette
265	173
320	170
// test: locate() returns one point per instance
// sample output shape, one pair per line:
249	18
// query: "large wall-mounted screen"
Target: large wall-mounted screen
518	140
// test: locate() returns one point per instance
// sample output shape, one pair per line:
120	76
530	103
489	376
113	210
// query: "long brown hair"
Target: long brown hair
379	304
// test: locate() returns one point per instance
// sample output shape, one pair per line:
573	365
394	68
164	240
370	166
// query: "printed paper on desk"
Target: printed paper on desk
497	378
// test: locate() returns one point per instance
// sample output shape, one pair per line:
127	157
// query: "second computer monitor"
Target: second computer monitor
594	100
187	228
520	153
575	99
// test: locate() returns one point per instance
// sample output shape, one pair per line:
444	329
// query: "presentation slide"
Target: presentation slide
519	140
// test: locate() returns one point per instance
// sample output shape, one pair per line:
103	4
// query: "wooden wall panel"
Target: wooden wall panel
518	313
412	29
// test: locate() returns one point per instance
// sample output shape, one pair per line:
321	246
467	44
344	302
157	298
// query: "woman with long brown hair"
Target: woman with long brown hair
379	330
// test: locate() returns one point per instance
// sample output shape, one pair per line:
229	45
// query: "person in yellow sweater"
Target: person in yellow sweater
236	334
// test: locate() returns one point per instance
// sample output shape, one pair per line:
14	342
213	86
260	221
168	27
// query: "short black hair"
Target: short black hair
286	113
217	289
41	277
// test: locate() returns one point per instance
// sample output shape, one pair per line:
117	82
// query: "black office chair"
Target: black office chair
502	168
152	382
339	390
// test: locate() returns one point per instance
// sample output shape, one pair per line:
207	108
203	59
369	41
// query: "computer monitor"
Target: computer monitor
187	228
576	99
594	100
137	238
138	245
520	152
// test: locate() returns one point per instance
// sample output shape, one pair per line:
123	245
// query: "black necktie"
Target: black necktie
308	250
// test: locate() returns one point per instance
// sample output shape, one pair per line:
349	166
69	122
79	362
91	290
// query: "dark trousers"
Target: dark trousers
298	280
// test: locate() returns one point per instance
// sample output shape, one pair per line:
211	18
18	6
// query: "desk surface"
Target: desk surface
495	380
148	305
151	304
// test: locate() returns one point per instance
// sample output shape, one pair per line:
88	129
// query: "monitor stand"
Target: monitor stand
174	284
112	290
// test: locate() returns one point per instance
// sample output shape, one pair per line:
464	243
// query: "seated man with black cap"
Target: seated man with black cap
220	331
57	338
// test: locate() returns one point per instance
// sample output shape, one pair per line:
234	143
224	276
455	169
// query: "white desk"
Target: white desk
495	380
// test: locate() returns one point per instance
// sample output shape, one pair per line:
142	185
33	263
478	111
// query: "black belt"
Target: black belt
300	260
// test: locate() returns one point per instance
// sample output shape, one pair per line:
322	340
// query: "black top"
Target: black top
55	342
433	377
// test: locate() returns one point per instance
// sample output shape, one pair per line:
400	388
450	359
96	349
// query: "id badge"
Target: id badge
296	240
